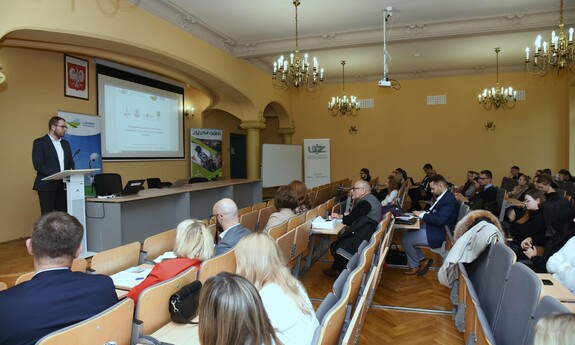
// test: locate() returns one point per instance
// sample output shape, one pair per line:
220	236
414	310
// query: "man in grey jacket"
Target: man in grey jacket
228	226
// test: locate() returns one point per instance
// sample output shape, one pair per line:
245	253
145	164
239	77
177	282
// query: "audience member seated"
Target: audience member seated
522	187
403	175
285	201
468	186
231	312
532	224
487	193
514	173
392	191
285	299
227	225
472	234
562	265
443	212
565	175
55	297
559	214
472	194
545	183
556	329
423	192
301	192
194	244
366	204
364	174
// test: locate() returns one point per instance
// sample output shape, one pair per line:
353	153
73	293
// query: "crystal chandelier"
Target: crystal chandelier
498	96
560	54
296	72
343	106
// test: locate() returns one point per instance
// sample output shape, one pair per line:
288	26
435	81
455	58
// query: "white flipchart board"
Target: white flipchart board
281	164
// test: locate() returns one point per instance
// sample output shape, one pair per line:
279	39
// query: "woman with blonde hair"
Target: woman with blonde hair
301	193
231	313
558	329
194	244
392	191
259	260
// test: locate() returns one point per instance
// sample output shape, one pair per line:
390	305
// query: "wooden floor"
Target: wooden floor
385	324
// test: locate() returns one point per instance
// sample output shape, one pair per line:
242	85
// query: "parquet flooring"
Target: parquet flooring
383	326
387	326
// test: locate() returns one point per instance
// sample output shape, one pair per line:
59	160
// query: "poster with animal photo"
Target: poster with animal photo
76	77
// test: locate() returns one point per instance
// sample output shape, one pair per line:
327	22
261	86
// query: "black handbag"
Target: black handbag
396	256
183	304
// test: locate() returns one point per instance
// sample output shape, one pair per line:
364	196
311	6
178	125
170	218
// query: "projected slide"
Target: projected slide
144	122
141	118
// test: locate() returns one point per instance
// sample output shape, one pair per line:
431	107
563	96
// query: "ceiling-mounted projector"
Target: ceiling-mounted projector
384	83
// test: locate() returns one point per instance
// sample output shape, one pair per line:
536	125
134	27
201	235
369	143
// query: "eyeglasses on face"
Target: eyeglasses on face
62	126
356	188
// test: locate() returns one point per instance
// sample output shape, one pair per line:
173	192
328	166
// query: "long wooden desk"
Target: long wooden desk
112	222
178	334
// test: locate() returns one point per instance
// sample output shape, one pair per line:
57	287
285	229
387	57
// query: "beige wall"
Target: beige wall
402	131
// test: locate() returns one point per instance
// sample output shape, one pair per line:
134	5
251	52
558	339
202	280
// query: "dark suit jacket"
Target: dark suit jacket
233	236
443	213
51	301
45	160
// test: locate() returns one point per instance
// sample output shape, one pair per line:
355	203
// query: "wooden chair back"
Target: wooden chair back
259	206
329	204
249	220
24	278
221	263
116	259
312	195
295	221
152	308
321	210
311	214
157	245
3	286
270	202
358	317
332	323
264	216
301	238
276	231
244	210
78	265
113	324
286	244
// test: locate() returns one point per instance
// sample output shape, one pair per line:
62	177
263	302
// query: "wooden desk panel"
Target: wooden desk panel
112	222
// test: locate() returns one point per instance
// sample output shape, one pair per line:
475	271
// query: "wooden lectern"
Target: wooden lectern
74	180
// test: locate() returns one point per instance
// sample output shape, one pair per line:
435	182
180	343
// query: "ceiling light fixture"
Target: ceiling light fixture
296	72
343	106
498	96
559	55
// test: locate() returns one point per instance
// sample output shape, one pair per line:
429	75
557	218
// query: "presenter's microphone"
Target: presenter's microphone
75	153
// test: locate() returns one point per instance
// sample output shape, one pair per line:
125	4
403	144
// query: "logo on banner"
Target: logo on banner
317	149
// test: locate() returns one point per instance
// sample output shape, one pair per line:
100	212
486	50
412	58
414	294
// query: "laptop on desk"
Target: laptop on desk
133	187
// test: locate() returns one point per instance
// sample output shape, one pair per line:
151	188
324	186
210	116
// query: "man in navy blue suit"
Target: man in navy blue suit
50	155
55	297
431	234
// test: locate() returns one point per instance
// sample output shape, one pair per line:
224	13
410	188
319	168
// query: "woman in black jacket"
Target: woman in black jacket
559	214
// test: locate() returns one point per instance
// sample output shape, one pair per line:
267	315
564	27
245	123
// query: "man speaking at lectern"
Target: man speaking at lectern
50	155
